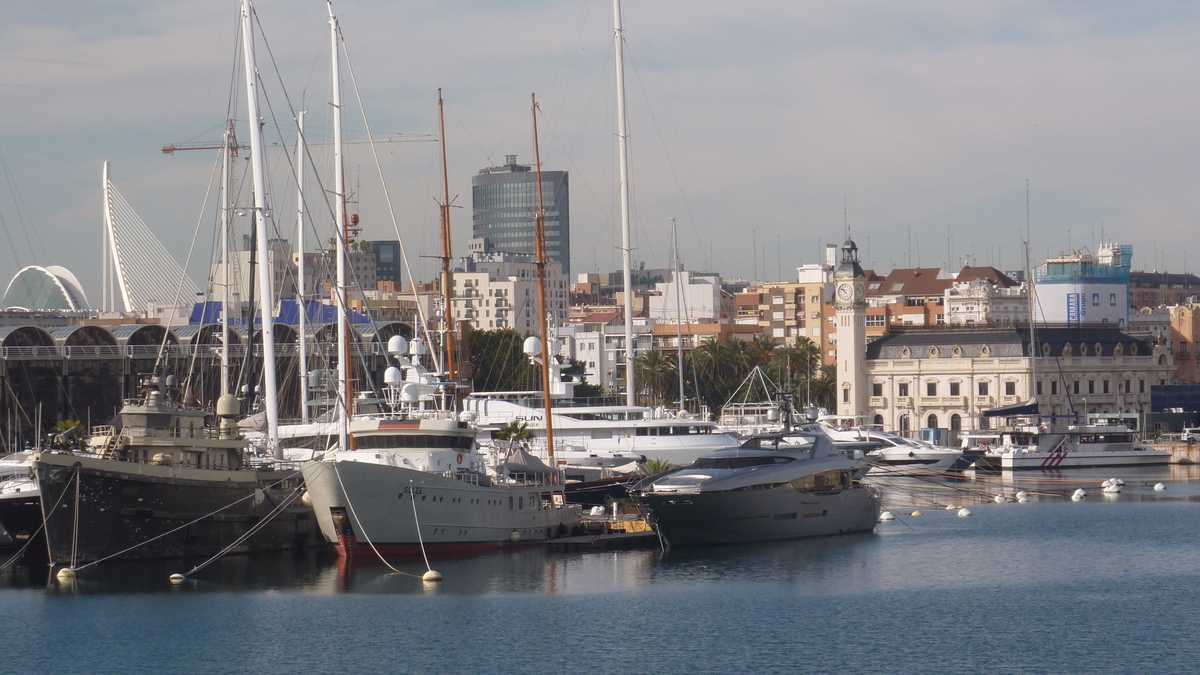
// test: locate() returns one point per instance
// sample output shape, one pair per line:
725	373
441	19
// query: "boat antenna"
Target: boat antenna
623	161
539	229
447	288
271	404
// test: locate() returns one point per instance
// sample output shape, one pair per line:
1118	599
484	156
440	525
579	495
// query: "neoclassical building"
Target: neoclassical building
946	377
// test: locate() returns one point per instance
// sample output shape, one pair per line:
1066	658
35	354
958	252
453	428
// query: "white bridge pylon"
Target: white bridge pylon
137	269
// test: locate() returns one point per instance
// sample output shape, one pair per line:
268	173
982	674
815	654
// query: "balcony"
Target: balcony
877	402
943	402
984	400
904	402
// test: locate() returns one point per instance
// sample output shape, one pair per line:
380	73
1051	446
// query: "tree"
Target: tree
498	362
516	431
656	372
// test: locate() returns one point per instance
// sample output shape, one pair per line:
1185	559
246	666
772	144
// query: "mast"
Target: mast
447	288
623	161
226	153
339	207
539	228
260	228
678	311
301	300
1029	292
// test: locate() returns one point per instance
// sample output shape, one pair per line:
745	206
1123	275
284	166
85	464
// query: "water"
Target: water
1110	584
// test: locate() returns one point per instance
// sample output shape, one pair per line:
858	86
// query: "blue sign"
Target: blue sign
1073	310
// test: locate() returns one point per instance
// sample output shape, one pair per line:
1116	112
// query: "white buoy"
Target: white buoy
964	512
1022	496
915	514
1111	489
514	536
999	499
886	516
1159	487
176	579
65	575
432	576
1120	481
1079	495
951	507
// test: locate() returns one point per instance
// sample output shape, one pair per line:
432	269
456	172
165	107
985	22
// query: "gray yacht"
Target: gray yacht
772	489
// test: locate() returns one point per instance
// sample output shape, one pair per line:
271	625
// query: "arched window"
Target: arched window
1162	359
931	422
878	421
955	423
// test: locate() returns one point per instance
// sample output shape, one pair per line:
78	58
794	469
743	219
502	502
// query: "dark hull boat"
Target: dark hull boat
168	485
123	505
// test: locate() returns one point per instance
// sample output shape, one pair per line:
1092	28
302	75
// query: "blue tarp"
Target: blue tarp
289	313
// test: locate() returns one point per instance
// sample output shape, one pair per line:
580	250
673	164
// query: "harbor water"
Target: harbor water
1108	584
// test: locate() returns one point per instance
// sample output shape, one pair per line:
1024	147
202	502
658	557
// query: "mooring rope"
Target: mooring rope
17	556
253	530
363	530
185	525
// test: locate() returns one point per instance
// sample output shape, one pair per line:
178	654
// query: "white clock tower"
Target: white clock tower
850	301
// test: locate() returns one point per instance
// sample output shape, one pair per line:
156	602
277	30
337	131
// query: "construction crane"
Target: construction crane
217	145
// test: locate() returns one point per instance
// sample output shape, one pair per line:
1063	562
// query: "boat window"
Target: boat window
643	431
738	462
388	441
826	481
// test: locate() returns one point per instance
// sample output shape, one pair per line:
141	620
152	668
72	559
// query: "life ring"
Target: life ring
460	458
983	445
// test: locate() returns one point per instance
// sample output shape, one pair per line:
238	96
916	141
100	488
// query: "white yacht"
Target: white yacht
414	476
896	455
1078	446
587	435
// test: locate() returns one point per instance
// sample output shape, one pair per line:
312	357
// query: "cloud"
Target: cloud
922	115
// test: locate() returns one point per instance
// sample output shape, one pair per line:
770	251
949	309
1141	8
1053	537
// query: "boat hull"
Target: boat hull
1053	461
21	516
457	517
126	504
754	515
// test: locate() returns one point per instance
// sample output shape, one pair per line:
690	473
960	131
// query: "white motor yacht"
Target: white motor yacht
896	455
1078	446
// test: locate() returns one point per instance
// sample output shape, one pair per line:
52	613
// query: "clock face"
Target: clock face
844	292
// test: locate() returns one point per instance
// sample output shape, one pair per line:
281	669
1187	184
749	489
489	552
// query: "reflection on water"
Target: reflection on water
935	550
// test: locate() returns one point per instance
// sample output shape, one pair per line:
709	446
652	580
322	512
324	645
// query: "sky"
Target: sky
760	127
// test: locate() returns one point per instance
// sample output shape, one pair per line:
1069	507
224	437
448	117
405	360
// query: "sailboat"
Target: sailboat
168	482
410	480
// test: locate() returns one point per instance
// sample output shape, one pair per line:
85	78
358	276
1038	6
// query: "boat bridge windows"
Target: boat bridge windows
674	430
739	462
825	482
392	441
1110	437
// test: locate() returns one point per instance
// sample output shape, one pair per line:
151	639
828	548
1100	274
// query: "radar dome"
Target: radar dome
532	346
397	345
392	376
410	393
227	406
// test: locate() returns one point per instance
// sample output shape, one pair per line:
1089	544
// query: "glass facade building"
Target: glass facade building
503	205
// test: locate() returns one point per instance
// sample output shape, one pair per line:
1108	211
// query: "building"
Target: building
503	205
980	302
500	290
690	298
601	349
669	336
1154	289
787	312
946	377
850	305
1082	288
1181	339
388	264
283	272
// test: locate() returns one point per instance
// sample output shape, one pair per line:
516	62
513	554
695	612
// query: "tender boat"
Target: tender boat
765	491
895	455
20	504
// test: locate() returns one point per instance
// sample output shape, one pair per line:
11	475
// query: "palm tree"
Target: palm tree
653	467
516	431
656	372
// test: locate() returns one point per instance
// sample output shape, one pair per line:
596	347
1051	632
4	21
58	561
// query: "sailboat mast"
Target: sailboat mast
623	161
539	228
260	224
226	156
447	288
339	207
1030	295
678	311
301	299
